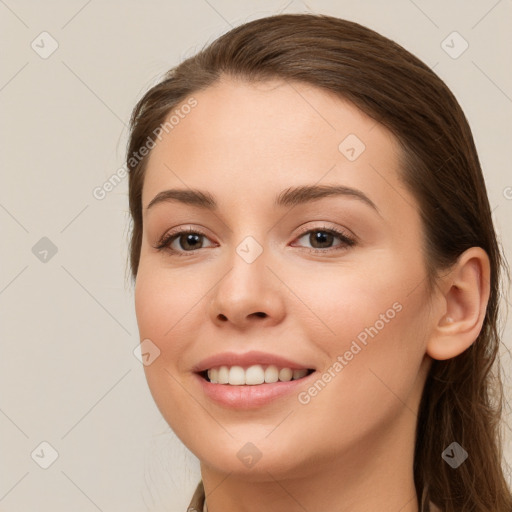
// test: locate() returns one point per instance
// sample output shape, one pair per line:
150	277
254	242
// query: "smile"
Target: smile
253	375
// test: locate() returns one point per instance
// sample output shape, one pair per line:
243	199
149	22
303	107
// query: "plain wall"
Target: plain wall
68	375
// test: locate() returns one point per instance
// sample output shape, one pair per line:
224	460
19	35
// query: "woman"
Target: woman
317	271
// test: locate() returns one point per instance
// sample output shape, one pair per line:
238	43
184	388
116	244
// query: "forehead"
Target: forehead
260	138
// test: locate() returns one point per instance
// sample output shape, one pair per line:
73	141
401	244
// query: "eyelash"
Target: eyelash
168	238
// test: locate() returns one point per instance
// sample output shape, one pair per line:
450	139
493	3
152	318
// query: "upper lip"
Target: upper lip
247	359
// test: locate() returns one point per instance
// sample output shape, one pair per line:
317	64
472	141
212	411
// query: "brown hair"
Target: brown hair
463	399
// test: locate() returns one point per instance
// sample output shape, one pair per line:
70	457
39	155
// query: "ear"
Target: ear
463	303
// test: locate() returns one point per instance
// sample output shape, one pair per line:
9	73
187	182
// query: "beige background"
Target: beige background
68	375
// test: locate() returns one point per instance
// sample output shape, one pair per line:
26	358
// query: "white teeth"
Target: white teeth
213	375
271	374
253	375
285	374
236	376
223	375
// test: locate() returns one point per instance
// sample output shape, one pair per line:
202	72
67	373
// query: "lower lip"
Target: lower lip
250	396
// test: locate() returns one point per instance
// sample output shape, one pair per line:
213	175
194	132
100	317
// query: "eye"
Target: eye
321	239
190	240
182	241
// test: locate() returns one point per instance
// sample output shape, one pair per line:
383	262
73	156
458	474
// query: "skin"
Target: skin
351	447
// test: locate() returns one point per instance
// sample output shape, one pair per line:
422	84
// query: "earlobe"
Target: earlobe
462	305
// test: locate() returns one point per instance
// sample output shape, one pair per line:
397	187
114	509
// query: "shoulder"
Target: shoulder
197	502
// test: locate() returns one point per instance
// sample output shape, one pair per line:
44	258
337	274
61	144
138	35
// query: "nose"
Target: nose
248	294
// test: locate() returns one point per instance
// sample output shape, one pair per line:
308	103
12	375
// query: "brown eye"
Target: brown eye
181	242
320	239
189	241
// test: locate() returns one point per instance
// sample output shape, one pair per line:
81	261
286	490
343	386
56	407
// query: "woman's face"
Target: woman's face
265	272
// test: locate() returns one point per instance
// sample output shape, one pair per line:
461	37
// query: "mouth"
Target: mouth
253	375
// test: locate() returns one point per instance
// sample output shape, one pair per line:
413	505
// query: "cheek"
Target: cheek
165	297
371	378
337	305
373	330
383	348
164	305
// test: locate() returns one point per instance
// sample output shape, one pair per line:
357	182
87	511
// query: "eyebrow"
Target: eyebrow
290	197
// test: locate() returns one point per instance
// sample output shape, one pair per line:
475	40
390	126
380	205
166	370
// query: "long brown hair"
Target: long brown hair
463	398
